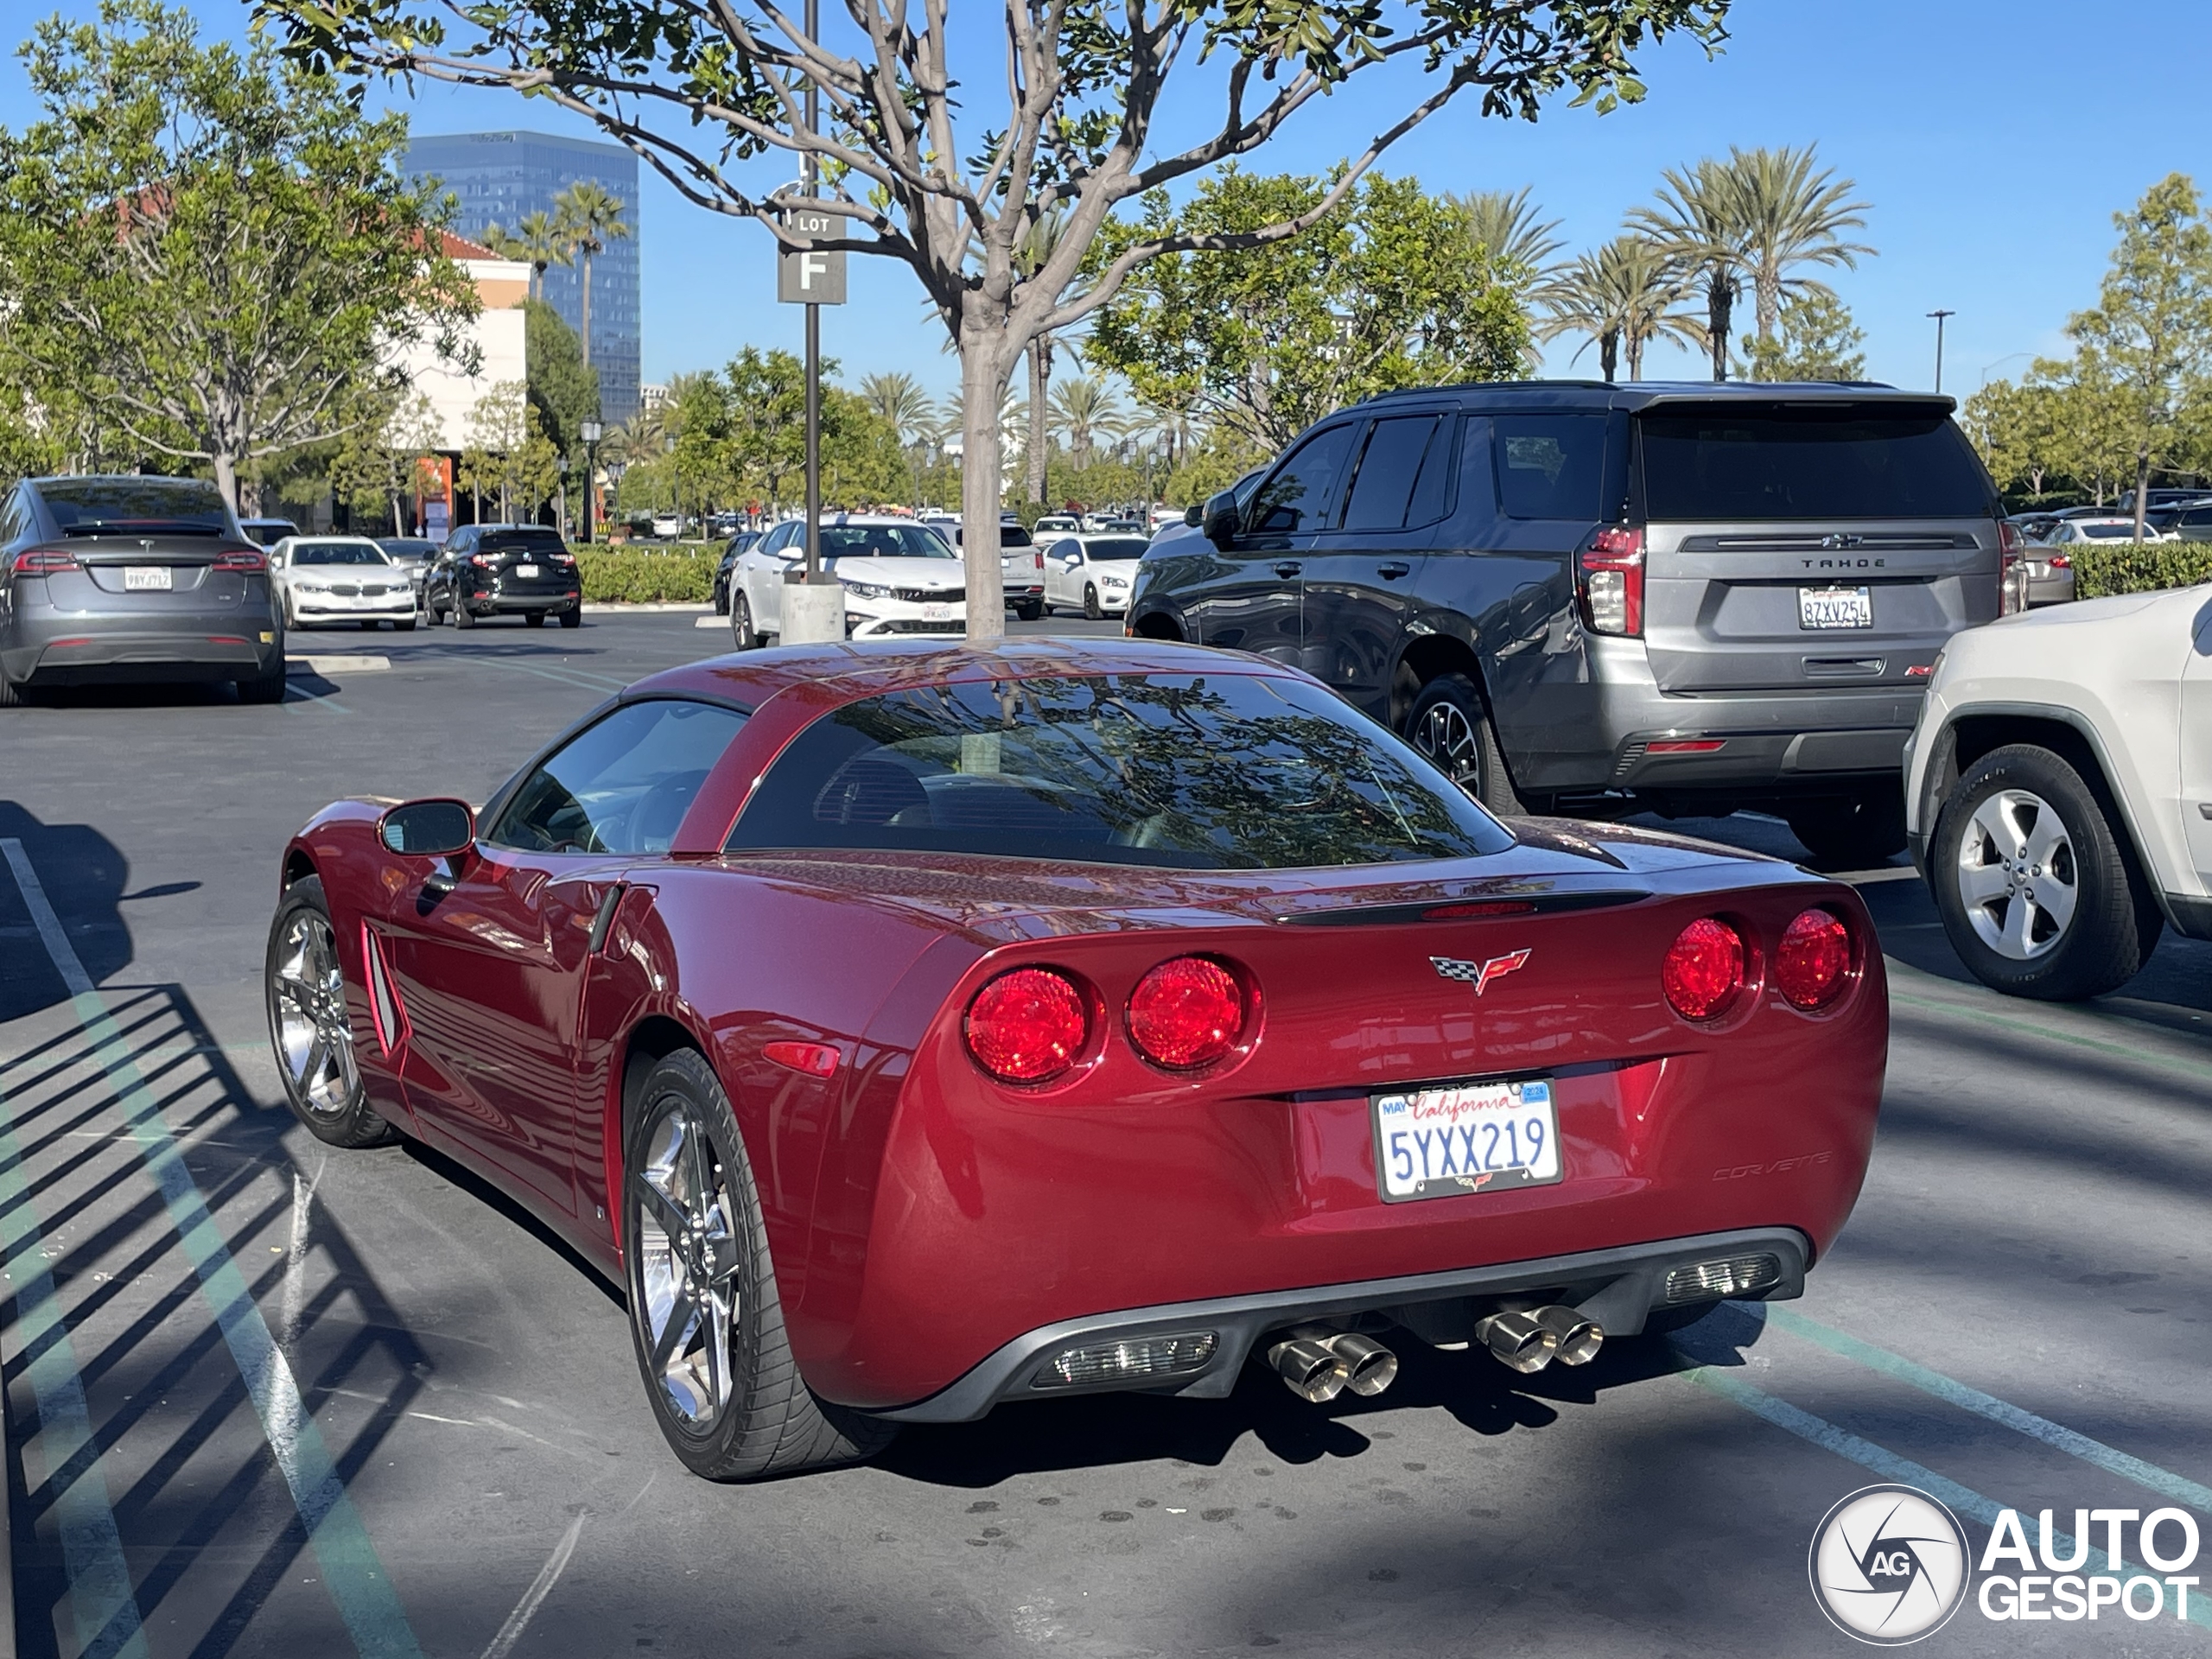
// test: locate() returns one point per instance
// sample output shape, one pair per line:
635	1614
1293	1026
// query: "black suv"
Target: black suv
487	570
1601	599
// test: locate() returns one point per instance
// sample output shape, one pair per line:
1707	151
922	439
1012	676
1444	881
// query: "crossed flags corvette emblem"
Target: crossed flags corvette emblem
1479	973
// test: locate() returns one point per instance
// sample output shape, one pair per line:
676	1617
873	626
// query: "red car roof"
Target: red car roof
859	671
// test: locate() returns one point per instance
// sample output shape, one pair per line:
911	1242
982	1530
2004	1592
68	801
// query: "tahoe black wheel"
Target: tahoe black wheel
2038	896
309	1026
707	1321
1030	609
1452	728
1857	830
741	633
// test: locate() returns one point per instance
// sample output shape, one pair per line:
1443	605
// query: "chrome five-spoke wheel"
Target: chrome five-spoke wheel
2018	882
314	1040
688	1263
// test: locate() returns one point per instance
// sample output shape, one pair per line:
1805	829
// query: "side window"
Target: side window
1400	483
781	536
1549	466
622	784
11	517
1070	550
1299	492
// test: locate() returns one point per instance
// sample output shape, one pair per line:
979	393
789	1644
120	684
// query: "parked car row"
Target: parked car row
902	577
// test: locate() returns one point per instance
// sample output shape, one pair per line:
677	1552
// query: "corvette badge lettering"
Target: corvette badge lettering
1479	973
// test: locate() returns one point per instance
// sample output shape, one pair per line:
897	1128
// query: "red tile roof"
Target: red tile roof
459	247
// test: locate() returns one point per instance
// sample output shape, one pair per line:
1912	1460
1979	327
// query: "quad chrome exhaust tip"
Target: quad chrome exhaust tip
1527	1342
1317	1363
1309	1370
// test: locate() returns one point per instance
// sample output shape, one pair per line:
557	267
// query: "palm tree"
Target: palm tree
907	408
586	217
1696	221
1087	411
1789	214
1506	226
1622	295
536	241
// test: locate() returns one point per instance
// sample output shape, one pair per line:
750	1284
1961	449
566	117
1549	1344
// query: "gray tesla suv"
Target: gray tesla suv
133	579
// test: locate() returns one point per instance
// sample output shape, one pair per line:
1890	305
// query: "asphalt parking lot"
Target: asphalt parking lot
268	1399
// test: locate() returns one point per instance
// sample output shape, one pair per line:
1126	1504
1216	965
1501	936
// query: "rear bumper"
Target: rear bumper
56	649
516	604
1620	1288
1797	742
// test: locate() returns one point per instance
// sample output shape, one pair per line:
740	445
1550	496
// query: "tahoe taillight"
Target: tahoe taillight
1610	583
43	561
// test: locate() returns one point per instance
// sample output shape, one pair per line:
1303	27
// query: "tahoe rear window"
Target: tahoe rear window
1188	771
1723	464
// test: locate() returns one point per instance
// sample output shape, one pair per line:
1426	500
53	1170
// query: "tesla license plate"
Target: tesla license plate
1835	607
937	613
146	579
1464	1137
527	572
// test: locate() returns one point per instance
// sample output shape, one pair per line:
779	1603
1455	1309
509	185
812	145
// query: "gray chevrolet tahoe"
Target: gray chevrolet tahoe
1598	599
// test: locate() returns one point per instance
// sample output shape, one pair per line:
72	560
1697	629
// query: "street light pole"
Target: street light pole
809	172
1939	316
591	432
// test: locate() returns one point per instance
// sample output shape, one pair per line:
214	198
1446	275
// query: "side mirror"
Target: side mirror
1193	514
1218	523
436	829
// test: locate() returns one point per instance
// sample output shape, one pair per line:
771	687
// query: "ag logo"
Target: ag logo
1889	1565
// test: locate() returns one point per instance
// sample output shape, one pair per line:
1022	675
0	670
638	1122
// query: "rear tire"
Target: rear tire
2061	913
309	1028
11	694
1030	609
263	689
573	617
725	1392
1450	725
1858	831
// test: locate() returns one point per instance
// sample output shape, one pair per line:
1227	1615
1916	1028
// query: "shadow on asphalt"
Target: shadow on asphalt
85	874
144	1341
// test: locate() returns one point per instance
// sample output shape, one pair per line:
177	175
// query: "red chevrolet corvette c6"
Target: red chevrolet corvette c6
912	1029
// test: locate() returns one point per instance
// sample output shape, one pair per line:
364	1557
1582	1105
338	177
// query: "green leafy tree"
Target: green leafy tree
586	217
210	256
941	170
768	422
1815	341
1384	290
564	389
2148	338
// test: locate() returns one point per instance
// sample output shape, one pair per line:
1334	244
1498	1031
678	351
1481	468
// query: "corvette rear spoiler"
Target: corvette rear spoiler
1468	909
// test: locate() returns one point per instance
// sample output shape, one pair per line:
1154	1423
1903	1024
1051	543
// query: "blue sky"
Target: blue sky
1991	186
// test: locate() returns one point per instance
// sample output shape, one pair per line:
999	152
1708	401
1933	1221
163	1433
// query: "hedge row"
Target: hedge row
635	576
2138	567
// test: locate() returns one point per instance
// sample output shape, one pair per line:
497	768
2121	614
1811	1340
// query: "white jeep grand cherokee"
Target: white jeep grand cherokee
2058	789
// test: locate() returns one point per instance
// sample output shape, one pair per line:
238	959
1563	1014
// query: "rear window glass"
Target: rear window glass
2109	532
1204	771
89	507
526	540
1549	466
1726	464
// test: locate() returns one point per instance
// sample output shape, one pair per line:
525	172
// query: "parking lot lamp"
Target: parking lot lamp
1939	316
590	432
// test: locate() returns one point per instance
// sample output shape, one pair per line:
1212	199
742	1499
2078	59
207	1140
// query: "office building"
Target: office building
496	178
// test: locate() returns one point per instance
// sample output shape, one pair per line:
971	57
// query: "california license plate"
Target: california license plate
937	613
527	572
147	579
1835	607
1464	1137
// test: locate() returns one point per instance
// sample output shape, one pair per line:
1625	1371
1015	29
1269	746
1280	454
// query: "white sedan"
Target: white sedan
340	579
1092	574
901	580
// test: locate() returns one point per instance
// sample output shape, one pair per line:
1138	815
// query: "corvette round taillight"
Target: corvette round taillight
1814	960
1704	970
1187	1013
1027	1026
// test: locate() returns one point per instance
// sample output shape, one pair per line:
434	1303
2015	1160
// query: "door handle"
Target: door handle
1288	567
1393	570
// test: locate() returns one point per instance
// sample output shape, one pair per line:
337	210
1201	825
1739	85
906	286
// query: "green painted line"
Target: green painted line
2197	1071
102	1605
352	1571
2149	1475
1880	1460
